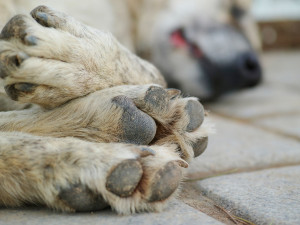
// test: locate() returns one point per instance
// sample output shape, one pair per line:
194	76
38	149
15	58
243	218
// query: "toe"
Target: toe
136	126
15	27
30	40
42	18
199	146
156	98
46	17
7	62
165	182
16	90
124	178
173	93
145	151
195	112
82	199
20	57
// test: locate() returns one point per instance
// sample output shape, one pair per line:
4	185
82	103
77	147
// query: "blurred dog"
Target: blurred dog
205	48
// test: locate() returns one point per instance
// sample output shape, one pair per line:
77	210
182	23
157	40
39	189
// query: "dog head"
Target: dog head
205	48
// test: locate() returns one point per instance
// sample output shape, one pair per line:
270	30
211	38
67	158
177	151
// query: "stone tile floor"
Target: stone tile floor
251	168
250	172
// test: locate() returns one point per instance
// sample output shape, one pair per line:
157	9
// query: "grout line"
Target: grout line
234	171
249	122
269	115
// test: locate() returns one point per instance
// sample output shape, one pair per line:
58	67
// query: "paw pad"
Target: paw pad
195	111
14	91
19	58
25	87
124	178
47	17
15	27
165	182
157	98
82	199
7	61
42	18
136	126
199	146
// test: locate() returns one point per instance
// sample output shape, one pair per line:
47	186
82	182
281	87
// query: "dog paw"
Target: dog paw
73	175
50	58
179	120
128	179
152	115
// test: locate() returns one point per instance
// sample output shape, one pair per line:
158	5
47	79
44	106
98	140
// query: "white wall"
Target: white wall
265	10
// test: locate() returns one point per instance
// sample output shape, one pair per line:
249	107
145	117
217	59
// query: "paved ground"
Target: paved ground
251	168
250	173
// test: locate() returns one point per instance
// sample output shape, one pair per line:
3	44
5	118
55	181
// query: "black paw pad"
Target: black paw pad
82	199
42	18
3	71
136	126
195	111
156	98
199	146
124	178
46	17
12	92
19	58
15	27
8	61
25	87
15	90
165	182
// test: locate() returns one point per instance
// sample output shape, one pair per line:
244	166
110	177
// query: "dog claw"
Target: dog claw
199	146
182	163
81	199
30	40
20	57
173	93
46	17
195	111
146	151
42	18
124	178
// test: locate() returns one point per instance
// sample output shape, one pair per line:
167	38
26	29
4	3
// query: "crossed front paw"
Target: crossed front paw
144	181
156	130
49	58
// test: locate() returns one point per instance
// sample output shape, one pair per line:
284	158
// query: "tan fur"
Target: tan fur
89	57
78	72
31	175
140	25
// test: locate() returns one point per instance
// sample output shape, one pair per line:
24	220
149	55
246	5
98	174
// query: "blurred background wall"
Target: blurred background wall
279	23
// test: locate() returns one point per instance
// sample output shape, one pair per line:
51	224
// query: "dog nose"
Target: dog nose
249	69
